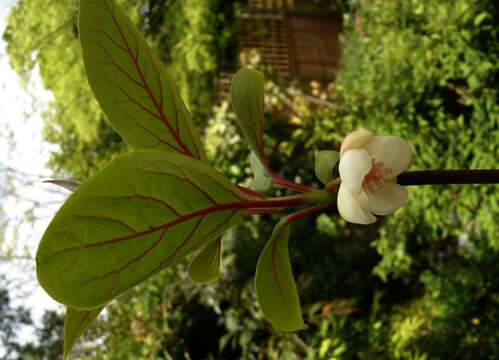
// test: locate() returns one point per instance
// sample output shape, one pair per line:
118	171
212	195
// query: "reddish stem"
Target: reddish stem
262	211
290	201
444	177
302	213
250	192
276	179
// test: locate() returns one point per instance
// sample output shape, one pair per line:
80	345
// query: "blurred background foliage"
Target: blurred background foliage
419	284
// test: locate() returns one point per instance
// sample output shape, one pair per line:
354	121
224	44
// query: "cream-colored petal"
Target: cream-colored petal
395	153
355	140
354	209
387	198
354	165
373	145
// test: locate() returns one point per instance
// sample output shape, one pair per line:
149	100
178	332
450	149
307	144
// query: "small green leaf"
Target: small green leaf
142	212
130	83
70	185
261	180
75	324
247	92
205	267
274	283
325	162
480	18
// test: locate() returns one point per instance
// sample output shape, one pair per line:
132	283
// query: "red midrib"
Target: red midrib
147	88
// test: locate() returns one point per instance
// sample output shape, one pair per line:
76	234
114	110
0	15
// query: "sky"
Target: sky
23	155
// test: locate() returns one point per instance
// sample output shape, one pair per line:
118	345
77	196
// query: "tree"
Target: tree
47	343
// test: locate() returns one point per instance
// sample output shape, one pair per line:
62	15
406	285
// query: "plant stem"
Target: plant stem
281	202
272	205
250	192
435	177
302	213
262	211
276	179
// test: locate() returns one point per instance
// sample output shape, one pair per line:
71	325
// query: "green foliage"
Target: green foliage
45	343
131	85
274	283
195	39
261	180
247	90
75	324
418	285
48	41
205	267
425	71
406	70
141	213
325	162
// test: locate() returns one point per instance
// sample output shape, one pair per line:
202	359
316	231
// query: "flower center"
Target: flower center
376	176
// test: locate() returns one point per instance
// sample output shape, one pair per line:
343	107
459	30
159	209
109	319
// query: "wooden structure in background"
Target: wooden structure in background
294	42
291	36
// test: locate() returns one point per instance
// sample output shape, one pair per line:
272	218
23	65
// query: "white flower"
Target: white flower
368	168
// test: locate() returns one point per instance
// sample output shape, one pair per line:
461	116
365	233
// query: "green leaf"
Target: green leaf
131	84
325	162
261	180
205	267
142	212
274	283
247	92
480	18
75	324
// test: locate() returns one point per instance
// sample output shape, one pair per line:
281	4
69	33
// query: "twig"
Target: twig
435	177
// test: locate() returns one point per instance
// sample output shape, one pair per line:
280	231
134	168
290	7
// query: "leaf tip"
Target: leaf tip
70	185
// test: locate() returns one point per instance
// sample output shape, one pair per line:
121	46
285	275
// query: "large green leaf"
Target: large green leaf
75	324
205	267
274	283
247	93
140	213
130	83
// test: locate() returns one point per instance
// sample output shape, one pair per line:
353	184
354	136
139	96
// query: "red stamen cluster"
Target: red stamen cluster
376	176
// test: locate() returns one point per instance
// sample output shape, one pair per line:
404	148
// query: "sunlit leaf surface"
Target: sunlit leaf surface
274	283
130	83
205	267
75	324
247	92
325	161
261	180
140	213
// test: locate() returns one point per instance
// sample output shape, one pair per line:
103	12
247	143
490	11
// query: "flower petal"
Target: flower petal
387	198
354	165
354	209
373	145
355	140
395	153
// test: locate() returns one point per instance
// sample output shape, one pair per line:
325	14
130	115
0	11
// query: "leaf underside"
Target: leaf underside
130	83
325	161
274	283
247	94
261	180
70	185
75	324
205	267
139	214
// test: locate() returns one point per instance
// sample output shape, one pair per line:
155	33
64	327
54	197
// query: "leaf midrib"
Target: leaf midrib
158	106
